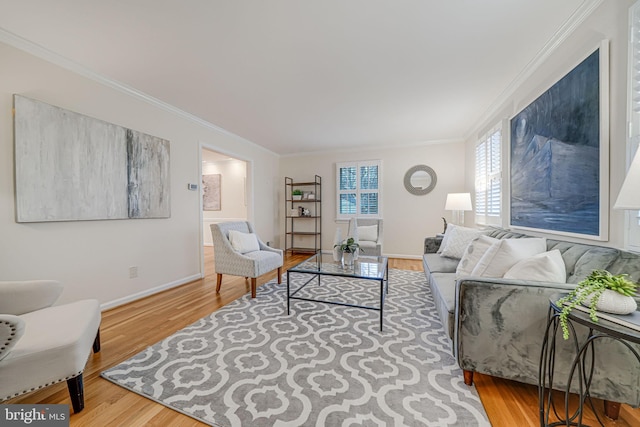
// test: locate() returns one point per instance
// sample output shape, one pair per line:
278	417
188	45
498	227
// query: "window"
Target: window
488	178
358	189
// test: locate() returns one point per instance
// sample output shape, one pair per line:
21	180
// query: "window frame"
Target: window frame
488	179
358	164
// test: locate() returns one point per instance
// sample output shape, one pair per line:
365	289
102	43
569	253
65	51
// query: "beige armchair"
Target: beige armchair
250	261
368	233
42	344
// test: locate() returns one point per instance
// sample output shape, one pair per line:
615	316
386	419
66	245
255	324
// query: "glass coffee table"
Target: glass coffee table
319	266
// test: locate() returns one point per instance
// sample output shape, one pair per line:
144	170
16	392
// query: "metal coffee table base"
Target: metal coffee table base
384	283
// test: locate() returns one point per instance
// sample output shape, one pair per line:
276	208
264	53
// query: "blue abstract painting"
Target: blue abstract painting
555	155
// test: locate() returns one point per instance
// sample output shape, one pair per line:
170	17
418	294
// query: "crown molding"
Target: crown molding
48	55
575	20
369	148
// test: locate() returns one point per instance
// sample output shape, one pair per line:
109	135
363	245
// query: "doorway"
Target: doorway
224	196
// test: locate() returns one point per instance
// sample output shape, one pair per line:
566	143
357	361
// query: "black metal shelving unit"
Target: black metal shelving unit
303	233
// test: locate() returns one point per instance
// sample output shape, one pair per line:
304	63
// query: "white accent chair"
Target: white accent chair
370	237
42	344
250	264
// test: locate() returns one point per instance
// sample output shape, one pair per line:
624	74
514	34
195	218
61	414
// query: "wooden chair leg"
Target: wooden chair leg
468	377
96	343
219	283
253	287
612	409
76	392
279	275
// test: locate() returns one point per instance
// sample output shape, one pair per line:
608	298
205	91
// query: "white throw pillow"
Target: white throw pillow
456	239
473	254
503	255
544	267
243	242
368	232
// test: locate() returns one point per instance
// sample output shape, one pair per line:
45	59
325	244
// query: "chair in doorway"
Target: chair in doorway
368	233
238	251
41	343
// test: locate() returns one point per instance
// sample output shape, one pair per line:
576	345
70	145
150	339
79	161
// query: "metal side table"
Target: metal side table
583	362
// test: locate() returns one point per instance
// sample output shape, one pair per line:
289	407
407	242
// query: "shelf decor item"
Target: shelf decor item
600	291
296	194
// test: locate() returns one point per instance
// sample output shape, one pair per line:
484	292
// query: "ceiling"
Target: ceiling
305	76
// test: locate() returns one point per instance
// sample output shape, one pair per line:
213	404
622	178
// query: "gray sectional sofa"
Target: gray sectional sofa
497	325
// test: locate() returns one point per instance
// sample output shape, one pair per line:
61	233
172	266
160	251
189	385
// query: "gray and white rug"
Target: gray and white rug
250	364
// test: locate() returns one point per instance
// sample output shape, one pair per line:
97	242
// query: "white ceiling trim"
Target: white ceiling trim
580	15
364	149
66	63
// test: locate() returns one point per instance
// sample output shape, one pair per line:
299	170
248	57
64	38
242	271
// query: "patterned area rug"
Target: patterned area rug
250	364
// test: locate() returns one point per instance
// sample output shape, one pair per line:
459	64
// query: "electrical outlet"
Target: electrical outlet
133	272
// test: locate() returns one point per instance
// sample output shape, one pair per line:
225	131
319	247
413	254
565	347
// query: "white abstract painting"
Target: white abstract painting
71	167
211	193
148	164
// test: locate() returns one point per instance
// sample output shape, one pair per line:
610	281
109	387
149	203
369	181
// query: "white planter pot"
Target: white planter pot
296	197
613	302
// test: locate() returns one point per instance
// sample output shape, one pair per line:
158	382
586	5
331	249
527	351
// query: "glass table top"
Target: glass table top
365	267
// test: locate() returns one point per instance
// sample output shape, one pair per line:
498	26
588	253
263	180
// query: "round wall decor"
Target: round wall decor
420	180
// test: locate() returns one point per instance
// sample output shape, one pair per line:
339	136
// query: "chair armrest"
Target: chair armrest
19	297
11	330
264	247
432	244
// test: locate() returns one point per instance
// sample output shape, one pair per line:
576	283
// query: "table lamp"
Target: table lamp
458	203
629	195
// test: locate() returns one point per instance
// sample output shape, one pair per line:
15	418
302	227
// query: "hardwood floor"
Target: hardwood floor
128	329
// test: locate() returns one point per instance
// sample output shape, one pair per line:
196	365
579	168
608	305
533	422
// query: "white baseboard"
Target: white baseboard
148	292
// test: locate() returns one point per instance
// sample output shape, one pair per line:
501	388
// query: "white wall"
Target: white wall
608	21
408	219
232	204
92	258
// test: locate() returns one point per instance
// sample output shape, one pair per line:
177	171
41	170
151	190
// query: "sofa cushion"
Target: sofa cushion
503	254
435	263
472	255
545	267
443	287
580	259
501	233
456	239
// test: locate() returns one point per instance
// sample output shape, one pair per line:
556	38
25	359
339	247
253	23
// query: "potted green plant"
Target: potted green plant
349	249
602	291
297	194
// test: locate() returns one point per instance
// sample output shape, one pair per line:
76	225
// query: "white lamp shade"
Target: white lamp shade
629	196
458	202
